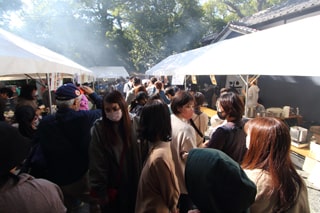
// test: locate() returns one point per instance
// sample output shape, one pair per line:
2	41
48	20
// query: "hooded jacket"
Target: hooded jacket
216	183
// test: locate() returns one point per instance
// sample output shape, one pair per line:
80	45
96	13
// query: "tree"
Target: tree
160	28
217	13
135	34
74	29
235	9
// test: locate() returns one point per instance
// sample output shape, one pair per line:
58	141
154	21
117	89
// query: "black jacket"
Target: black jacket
64	139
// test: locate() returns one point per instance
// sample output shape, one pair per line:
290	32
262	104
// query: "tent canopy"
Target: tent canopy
103	72
283	50
19	57
169	65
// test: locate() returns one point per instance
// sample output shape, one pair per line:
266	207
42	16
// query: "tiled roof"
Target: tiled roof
290	8
241	29
286	10
281	10
232	27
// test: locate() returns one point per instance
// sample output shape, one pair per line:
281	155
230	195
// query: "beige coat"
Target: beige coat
183	140
201	121
158	189
264	204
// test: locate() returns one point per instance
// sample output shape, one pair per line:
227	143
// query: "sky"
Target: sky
14	17
203	1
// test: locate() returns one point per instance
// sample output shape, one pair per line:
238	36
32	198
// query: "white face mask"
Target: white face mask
247	141
35	123
114	116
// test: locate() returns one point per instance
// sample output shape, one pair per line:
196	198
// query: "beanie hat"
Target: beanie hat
67	91
14	148
216	183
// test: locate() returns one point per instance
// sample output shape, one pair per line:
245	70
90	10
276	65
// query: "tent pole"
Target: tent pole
245	81
49	93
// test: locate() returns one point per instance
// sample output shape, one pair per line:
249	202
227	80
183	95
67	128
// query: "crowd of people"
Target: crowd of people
144	148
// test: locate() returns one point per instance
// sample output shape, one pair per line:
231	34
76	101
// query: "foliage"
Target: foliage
157	29
135	34
235	9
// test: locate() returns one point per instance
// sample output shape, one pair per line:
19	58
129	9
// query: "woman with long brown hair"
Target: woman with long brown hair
115	162
268	164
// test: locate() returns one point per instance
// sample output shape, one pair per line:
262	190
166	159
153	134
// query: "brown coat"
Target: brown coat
158	189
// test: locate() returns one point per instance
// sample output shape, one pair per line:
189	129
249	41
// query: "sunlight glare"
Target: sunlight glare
15	21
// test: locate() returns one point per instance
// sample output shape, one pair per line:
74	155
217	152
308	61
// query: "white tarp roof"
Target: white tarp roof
289	49
101	72
19	57
169	65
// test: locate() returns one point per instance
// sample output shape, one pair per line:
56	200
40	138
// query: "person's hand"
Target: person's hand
184	155
205	144
194	211
87	90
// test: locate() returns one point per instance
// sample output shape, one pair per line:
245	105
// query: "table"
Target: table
305	151
310	164
210	112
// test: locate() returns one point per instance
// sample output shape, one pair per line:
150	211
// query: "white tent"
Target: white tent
22	59
105	72
288	49
19	57
169	65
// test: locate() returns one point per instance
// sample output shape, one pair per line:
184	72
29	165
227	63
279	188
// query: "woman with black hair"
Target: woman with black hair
230	137
28	96
27	120
158	189
199	119
138	103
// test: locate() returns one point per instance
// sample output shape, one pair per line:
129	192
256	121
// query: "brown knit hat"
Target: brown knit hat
14	147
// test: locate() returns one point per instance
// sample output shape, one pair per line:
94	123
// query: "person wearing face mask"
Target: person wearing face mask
115	162
64	140
230	137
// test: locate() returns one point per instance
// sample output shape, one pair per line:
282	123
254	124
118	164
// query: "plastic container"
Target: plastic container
286	111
